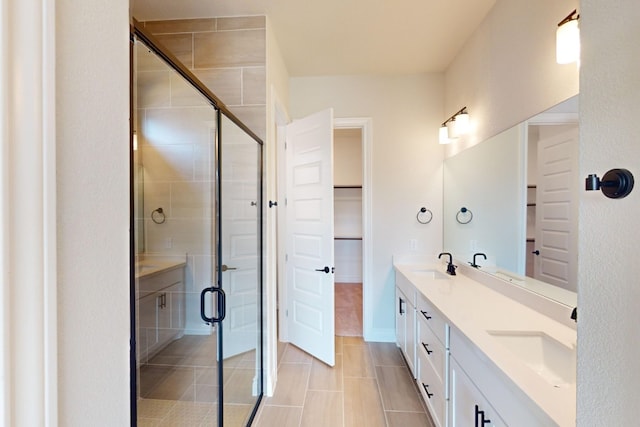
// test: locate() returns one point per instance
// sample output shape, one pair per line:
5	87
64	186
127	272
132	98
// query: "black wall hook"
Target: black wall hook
615	184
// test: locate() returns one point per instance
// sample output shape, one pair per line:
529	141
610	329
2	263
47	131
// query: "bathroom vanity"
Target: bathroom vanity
160	301
481	358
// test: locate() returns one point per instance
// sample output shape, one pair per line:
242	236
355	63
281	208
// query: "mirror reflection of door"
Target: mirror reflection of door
553	203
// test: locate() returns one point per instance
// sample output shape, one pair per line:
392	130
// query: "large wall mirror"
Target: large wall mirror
514	198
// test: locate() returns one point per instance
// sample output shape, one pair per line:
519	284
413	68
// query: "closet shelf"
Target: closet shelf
347	238
347	186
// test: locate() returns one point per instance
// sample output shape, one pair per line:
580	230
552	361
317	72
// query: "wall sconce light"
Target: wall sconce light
568	39
454	127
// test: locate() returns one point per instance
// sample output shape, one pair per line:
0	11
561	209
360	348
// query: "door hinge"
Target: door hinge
286	257
286	313
285	145
285	201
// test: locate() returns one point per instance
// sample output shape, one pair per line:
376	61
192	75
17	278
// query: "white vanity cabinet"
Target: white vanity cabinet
432	359
476	381
468	406
406	321
161	310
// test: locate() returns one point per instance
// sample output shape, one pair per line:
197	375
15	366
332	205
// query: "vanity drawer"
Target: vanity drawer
432	349
432	390
433	319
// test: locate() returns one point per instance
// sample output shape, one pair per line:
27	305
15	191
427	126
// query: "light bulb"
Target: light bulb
443	136
462	123
568	42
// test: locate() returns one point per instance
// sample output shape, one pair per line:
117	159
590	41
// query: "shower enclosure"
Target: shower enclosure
196	250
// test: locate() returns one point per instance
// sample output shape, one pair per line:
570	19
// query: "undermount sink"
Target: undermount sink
430	274
547	357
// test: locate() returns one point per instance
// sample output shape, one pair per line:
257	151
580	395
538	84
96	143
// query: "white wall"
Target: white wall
406	168
92	85
277	88
507	72
608	284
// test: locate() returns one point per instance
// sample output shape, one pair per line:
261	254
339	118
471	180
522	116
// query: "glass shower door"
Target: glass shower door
197	252
175	133
240	270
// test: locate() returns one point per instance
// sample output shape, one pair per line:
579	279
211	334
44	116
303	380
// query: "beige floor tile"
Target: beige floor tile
154	408
338	345
239	389
293	354
397	389
292	384
322	408
177	383
386	354
407	419
236	415
187	414
362	404
148	422
357	361
353	341
325	377
280	416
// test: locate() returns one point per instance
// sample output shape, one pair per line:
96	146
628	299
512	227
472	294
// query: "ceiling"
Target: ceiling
336	37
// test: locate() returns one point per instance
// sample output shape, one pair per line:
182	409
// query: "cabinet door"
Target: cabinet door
148	325
176	306
469	408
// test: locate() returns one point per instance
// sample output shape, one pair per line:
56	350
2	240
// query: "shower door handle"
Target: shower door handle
220	303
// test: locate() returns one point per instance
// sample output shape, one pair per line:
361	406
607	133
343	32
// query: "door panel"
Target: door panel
556	207
240	271
309	212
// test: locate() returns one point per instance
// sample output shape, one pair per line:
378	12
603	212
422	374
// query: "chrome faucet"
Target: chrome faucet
451	269
473	264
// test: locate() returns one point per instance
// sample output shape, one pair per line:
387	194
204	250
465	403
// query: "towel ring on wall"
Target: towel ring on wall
464	216
424	216
158	216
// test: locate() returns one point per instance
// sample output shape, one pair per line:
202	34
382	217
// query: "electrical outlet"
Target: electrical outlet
168	243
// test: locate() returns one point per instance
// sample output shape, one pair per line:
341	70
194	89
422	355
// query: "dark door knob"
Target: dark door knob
536	252
325	269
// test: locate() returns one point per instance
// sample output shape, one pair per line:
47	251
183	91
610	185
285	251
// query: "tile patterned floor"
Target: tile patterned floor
369	386
179	386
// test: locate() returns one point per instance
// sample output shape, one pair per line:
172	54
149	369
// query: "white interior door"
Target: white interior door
309	246
556	207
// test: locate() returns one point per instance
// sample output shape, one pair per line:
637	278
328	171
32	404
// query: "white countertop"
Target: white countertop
147	265
473	309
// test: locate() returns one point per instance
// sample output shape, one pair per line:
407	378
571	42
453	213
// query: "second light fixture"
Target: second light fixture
454	126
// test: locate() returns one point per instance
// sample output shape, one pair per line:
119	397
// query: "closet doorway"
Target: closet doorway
348	249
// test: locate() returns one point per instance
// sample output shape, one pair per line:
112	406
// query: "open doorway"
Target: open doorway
360	197
347	208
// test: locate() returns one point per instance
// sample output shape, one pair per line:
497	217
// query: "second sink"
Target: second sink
549	358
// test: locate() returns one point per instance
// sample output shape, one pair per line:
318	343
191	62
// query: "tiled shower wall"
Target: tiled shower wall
176	131
228	56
